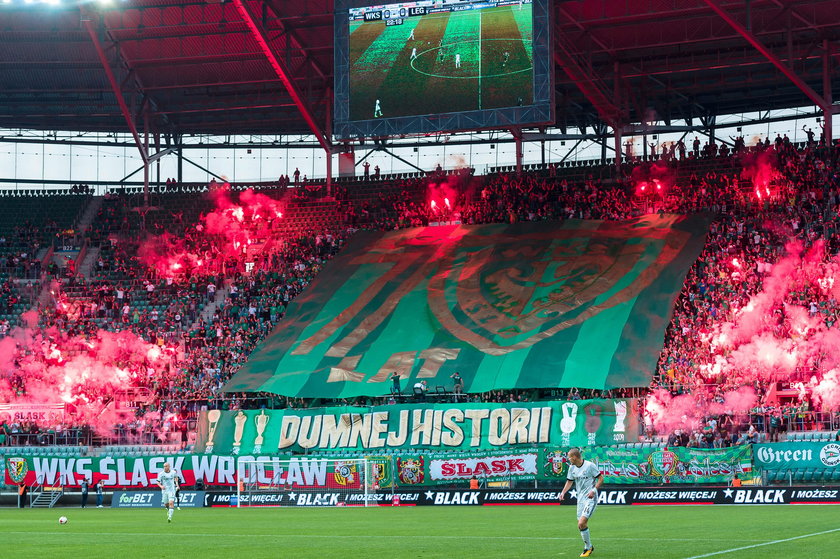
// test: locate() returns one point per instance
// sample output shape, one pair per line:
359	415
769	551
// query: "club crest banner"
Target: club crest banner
508	306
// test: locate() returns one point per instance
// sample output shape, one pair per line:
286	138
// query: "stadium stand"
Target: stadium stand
243	308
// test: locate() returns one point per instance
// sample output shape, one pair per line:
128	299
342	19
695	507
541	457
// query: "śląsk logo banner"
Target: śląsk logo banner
410	470
17	468
555	464
346	474
504	466
663	463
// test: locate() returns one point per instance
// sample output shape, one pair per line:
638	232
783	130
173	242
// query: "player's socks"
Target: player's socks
586	541
169	514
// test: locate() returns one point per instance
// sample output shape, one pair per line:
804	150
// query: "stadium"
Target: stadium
440	278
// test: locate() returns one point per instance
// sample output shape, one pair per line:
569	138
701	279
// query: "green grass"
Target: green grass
406	532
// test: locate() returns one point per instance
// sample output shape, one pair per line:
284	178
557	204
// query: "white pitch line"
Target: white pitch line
774	542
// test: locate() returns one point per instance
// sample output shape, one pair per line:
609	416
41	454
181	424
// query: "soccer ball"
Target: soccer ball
62	520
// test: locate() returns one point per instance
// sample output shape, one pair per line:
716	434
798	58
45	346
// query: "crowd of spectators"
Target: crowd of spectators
245	304
19	248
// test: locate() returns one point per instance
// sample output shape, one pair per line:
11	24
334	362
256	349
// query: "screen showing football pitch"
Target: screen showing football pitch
481	61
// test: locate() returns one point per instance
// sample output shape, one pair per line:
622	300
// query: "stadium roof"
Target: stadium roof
193	66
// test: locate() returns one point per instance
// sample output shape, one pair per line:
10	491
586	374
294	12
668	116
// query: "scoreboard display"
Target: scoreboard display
393	15
440	65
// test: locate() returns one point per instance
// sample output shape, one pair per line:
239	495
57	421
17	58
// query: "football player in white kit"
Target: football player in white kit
587	479
167	480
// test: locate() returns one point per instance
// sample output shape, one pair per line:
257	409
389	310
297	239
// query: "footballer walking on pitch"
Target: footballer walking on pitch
167	480
587	479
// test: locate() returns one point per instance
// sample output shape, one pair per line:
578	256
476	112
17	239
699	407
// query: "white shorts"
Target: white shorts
166	496
586	506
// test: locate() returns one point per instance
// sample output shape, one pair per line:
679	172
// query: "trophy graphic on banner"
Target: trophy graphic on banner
592	423
239	421
261	421
212	423
620	418
569	422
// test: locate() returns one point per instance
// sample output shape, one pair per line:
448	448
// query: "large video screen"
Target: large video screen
437	65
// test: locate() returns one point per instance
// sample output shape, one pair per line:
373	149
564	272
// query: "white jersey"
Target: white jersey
168	480
584	478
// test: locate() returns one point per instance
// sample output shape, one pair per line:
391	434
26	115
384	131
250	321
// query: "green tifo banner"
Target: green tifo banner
620	465
655	465
798	455
432	426
528	305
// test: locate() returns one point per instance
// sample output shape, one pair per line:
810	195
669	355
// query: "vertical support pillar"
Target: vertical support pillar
517	136
328	133
604	149
617	139
828	112
180	165
157	162
615	124
146	162
329	173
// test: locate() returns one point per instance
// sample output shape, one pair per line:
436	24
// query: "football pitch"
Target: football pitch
442	63
469	532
